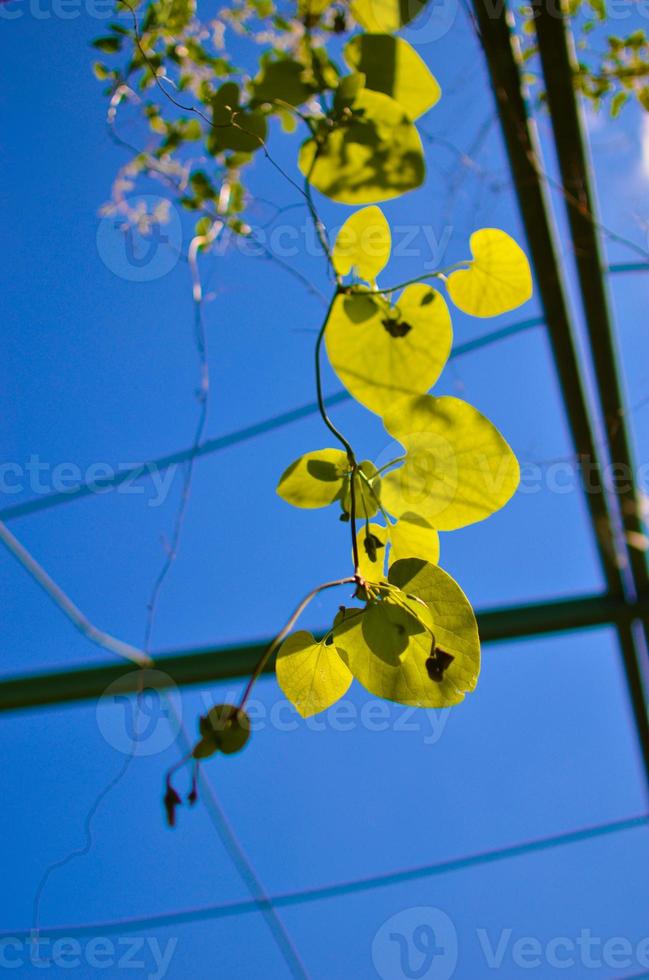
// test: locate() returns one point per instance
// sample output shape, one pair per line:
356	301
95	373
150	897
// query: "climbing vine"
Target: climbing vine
408	632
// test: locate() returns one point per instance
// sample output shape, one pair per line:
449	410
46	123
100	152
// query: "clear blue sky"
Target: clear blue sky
99	369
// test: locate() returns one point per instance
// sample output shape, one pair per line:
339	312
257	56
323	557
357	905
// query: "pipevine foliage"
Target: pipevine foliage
409	634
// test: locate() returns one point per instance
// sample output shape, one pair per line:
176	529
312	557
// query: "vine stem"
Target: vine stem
440	274
336	432
283	633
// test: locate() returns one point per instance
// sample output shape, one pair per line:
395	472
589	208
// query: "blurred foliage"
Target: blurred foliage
611	70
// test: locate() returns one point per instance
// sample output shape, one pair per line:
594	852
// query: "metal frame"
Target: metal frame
213	664
627	598
609	513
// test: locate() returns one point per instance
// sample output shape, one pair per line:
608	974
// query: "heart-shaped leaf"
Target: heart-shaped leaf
392	66
311	674
388	648
458	468
498	278
374	156
363	244
315	479
381	353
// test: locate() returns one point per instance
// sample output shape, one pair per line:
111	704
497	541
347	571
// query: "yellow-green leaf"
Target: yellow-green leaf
375	156
371	553
498	278
387	648
392	66
363	244
367	491
311	674
458	469
413	537
315	479
386	15
381	354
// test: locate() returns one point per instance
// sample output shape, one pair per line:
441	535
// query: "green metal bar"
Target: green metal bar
524	153
579	197
494	24
628	267
207	666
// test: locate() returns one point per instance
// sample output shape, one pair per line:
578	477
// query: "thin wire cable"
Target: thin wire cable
214	445
359	885
73	613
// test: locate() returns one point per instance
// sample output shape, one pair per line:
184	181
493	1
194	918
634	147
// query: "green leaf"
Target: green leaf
282	80
109	44
392	66
380	353
234	128
315	479
225	728
387	648
386	15
174	15
458	468
374	155
413	537
371	553
497	280
366	491
363	244
348	88
311	674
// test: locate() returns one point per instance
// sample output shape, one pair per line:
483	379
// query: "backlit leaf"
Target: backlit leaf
413	537
315	479
386	15
497	280
373	156
381	354
387	648
367	489
372	552
392	66
311	674
363	244
458	468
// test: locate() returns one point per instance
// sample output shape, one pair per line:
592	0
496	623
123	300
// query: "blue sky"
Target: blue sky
100	369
